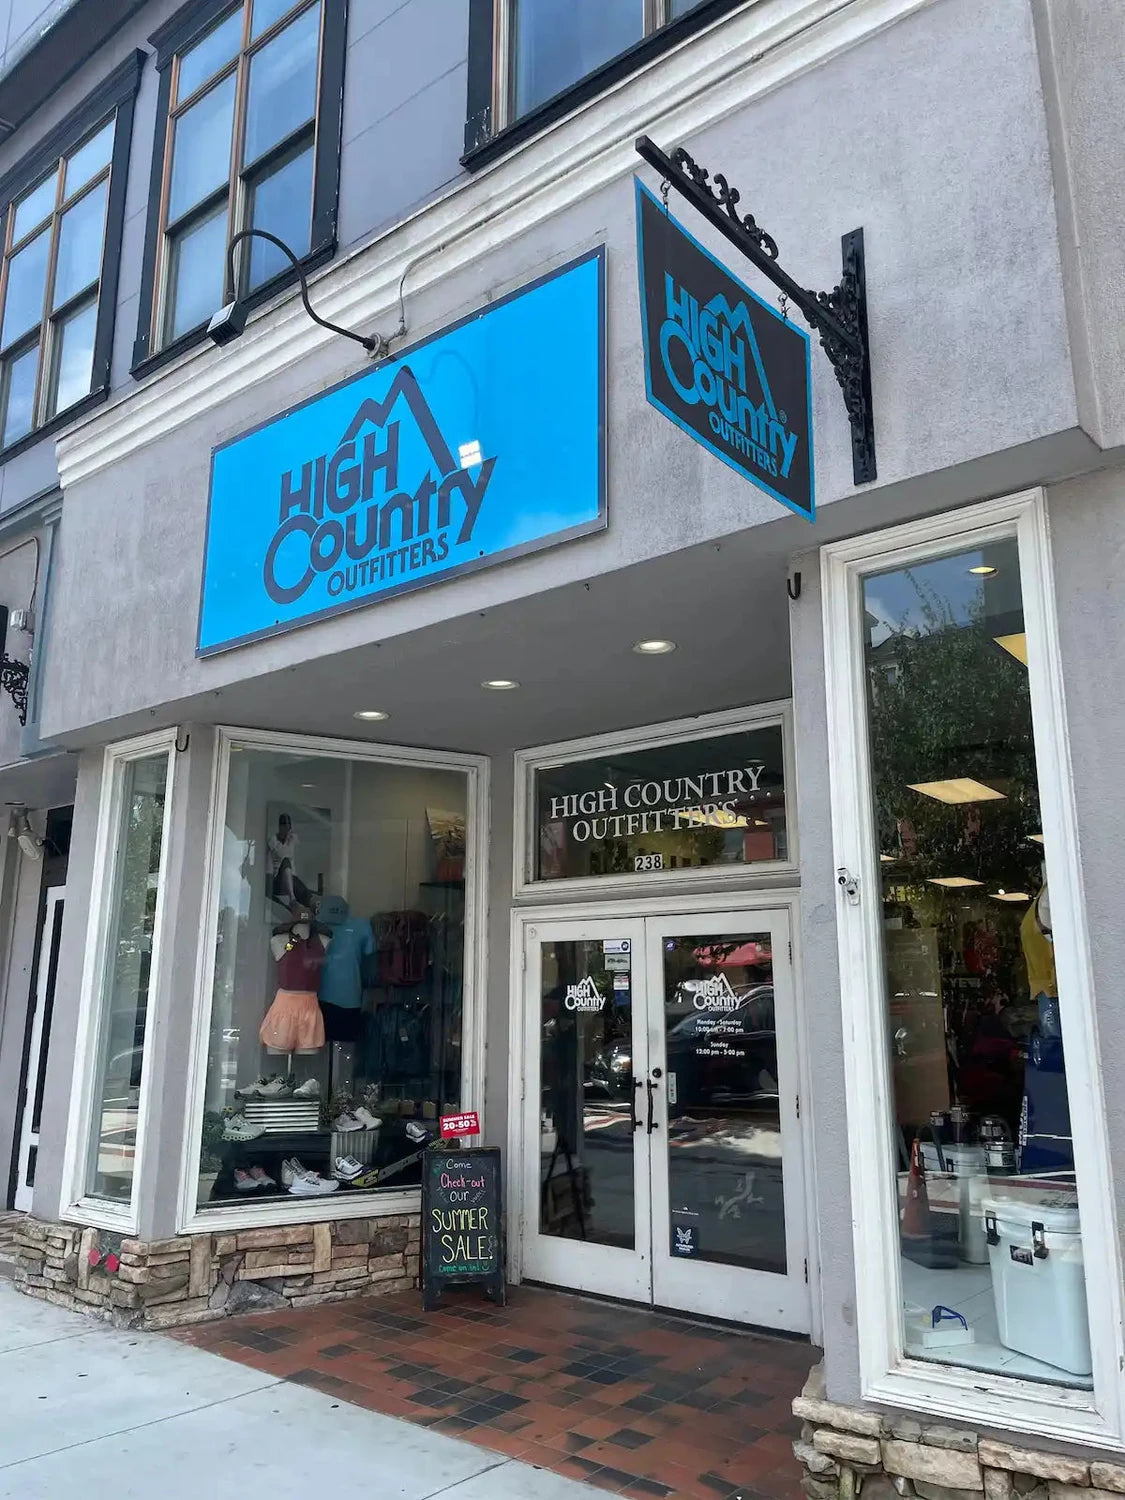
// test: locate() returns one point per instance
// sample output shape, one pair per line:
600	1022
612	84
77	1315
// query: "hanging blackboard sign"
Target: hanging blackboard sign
462	1227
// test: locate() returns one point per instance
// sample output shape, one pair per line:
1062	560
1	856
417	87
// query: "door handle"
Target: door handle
651	1086
633	1116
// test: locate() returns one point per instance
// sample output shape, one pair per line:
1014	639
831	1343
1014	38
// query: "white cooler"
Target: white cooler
1038	1279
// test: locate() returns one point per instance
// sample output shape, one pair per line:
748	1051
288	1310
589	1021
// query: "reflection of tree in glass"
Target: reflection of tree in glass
946	701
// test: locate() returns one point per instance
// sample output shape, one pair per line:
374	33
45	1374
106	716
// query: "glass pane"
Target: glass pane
724	1125
587	1092
19	395
266	12
206	58
89	159
34	207
282	93
718	801
335	1039
195	274
23	300
81	231
126	979
74	358
681	7
201	154
557	42
975	1021
282	203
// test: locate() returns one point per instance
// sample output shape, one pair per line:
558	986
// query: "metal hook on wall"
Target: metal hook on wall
793	586
187	741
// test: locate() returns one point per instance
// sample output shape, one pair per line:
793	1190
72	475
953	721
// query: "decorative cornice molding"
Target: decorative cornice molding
714	74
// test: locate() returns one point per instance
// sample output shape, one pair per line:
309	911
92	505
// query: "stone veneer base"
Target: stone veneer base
201	1277
846	1451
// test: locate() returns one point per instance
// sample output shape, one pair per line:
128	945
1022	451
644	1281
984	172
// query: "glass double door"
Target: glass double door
662	1157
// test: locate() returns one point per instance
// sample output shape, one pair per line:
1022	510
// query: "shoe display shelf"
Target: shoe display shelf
283	1116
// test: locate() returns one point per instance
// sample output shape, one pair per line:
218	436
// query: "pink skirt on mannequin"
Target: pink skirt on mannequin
293	1023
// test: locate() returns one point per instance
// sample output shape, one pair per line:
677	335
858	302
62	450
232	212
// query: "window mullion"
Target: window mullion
239	196
39	404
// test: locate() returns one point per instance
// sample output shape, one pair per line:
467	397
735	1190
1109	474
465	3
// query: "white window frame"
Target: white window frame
765	872
194	1220
887	1374
80	1206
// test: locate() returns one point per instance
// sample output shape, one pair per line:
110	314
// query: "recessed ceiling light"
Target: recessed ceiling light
500	684
1020	896
1036	838
1015	645
957	789
308	786
954	882
886	859
370	715
984	570
654	648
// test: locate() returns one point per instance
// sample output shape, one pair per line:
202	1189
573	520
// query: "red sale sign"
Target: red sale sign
466	1124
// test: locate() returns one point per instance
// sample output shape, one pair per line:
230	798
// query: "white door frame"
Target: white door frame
54	899
581	1264
520	1016
780	1300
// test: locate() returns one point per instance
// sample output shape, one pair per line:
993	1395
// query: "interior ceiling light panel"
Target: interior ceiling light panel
956	790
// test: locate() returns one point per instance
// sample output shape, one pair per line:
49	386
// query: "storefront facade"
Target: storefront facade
472	729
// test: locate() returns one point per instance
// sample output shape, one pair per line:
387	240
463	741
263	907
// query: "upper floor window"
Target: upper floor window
61	241
542	53
250	109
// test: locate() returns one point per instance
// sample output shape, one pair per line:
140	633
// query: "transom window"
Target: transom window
54	251
239	152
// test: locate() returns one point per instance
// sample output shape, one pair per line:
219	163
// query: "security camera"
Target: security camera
228	323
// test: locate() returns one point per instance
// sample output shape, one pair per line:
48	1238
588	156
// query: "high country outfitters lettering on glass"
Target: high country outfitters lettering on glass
483	442
722	364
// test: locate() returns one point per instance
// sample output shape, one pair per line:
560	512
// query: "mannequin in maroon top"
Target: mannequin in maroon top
294	1022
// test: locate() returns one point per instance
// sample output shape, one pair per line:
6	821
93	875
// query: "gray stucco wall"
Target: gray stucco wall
18	566
964	283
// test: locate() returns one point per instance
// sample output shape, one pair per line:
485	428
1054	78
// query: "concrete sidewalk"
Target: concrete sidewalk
86	1409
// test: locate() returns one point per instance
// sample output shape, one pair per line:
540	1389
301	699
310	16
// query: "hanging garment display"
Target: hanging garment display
294	1022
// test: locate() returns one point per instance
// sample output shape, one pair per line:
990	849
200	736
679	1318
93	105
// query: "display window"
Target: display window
968	1012
335	1036
710	800
990	1230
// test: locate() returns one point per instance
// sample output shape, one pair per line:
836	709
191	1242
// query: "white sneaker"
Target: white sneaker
261	1177
244	1182
252	1090
291	1169
417	1133
239	1128
347	1168
310	1185
344	1123
274	1088
310	1089
367	1119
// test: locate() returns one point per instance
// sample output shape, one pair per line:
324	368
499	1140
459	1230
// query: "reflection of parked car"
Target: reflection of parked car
608	1074
724	1057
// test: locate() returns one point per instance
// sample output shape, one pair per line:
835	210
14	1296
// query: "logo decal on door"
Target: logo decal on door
715	994
684	1240
584	996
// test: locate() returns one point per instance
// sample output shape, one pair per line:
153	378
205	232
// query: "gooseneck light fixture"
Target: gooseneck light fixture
229	322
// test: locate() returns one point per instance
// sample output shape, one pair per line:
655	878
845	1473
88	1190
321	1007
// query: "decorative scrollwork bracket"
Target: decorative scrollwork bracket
838	316
13	681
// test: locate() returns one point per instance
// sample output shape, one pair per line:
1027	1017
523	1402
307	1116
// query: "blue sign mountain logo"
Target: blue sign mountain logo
389	499
721	363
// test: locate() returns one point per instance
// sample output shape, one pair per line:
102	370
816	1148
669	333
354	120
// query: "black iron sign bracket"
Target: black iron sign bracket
838	316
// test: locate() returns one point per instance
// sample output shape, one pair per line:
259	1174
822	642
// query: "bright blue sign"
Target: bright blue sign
484	442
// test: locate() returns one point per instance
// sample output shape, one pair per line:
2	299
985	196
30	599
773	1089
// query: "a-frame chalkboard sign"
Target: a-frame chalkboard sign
462	1222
